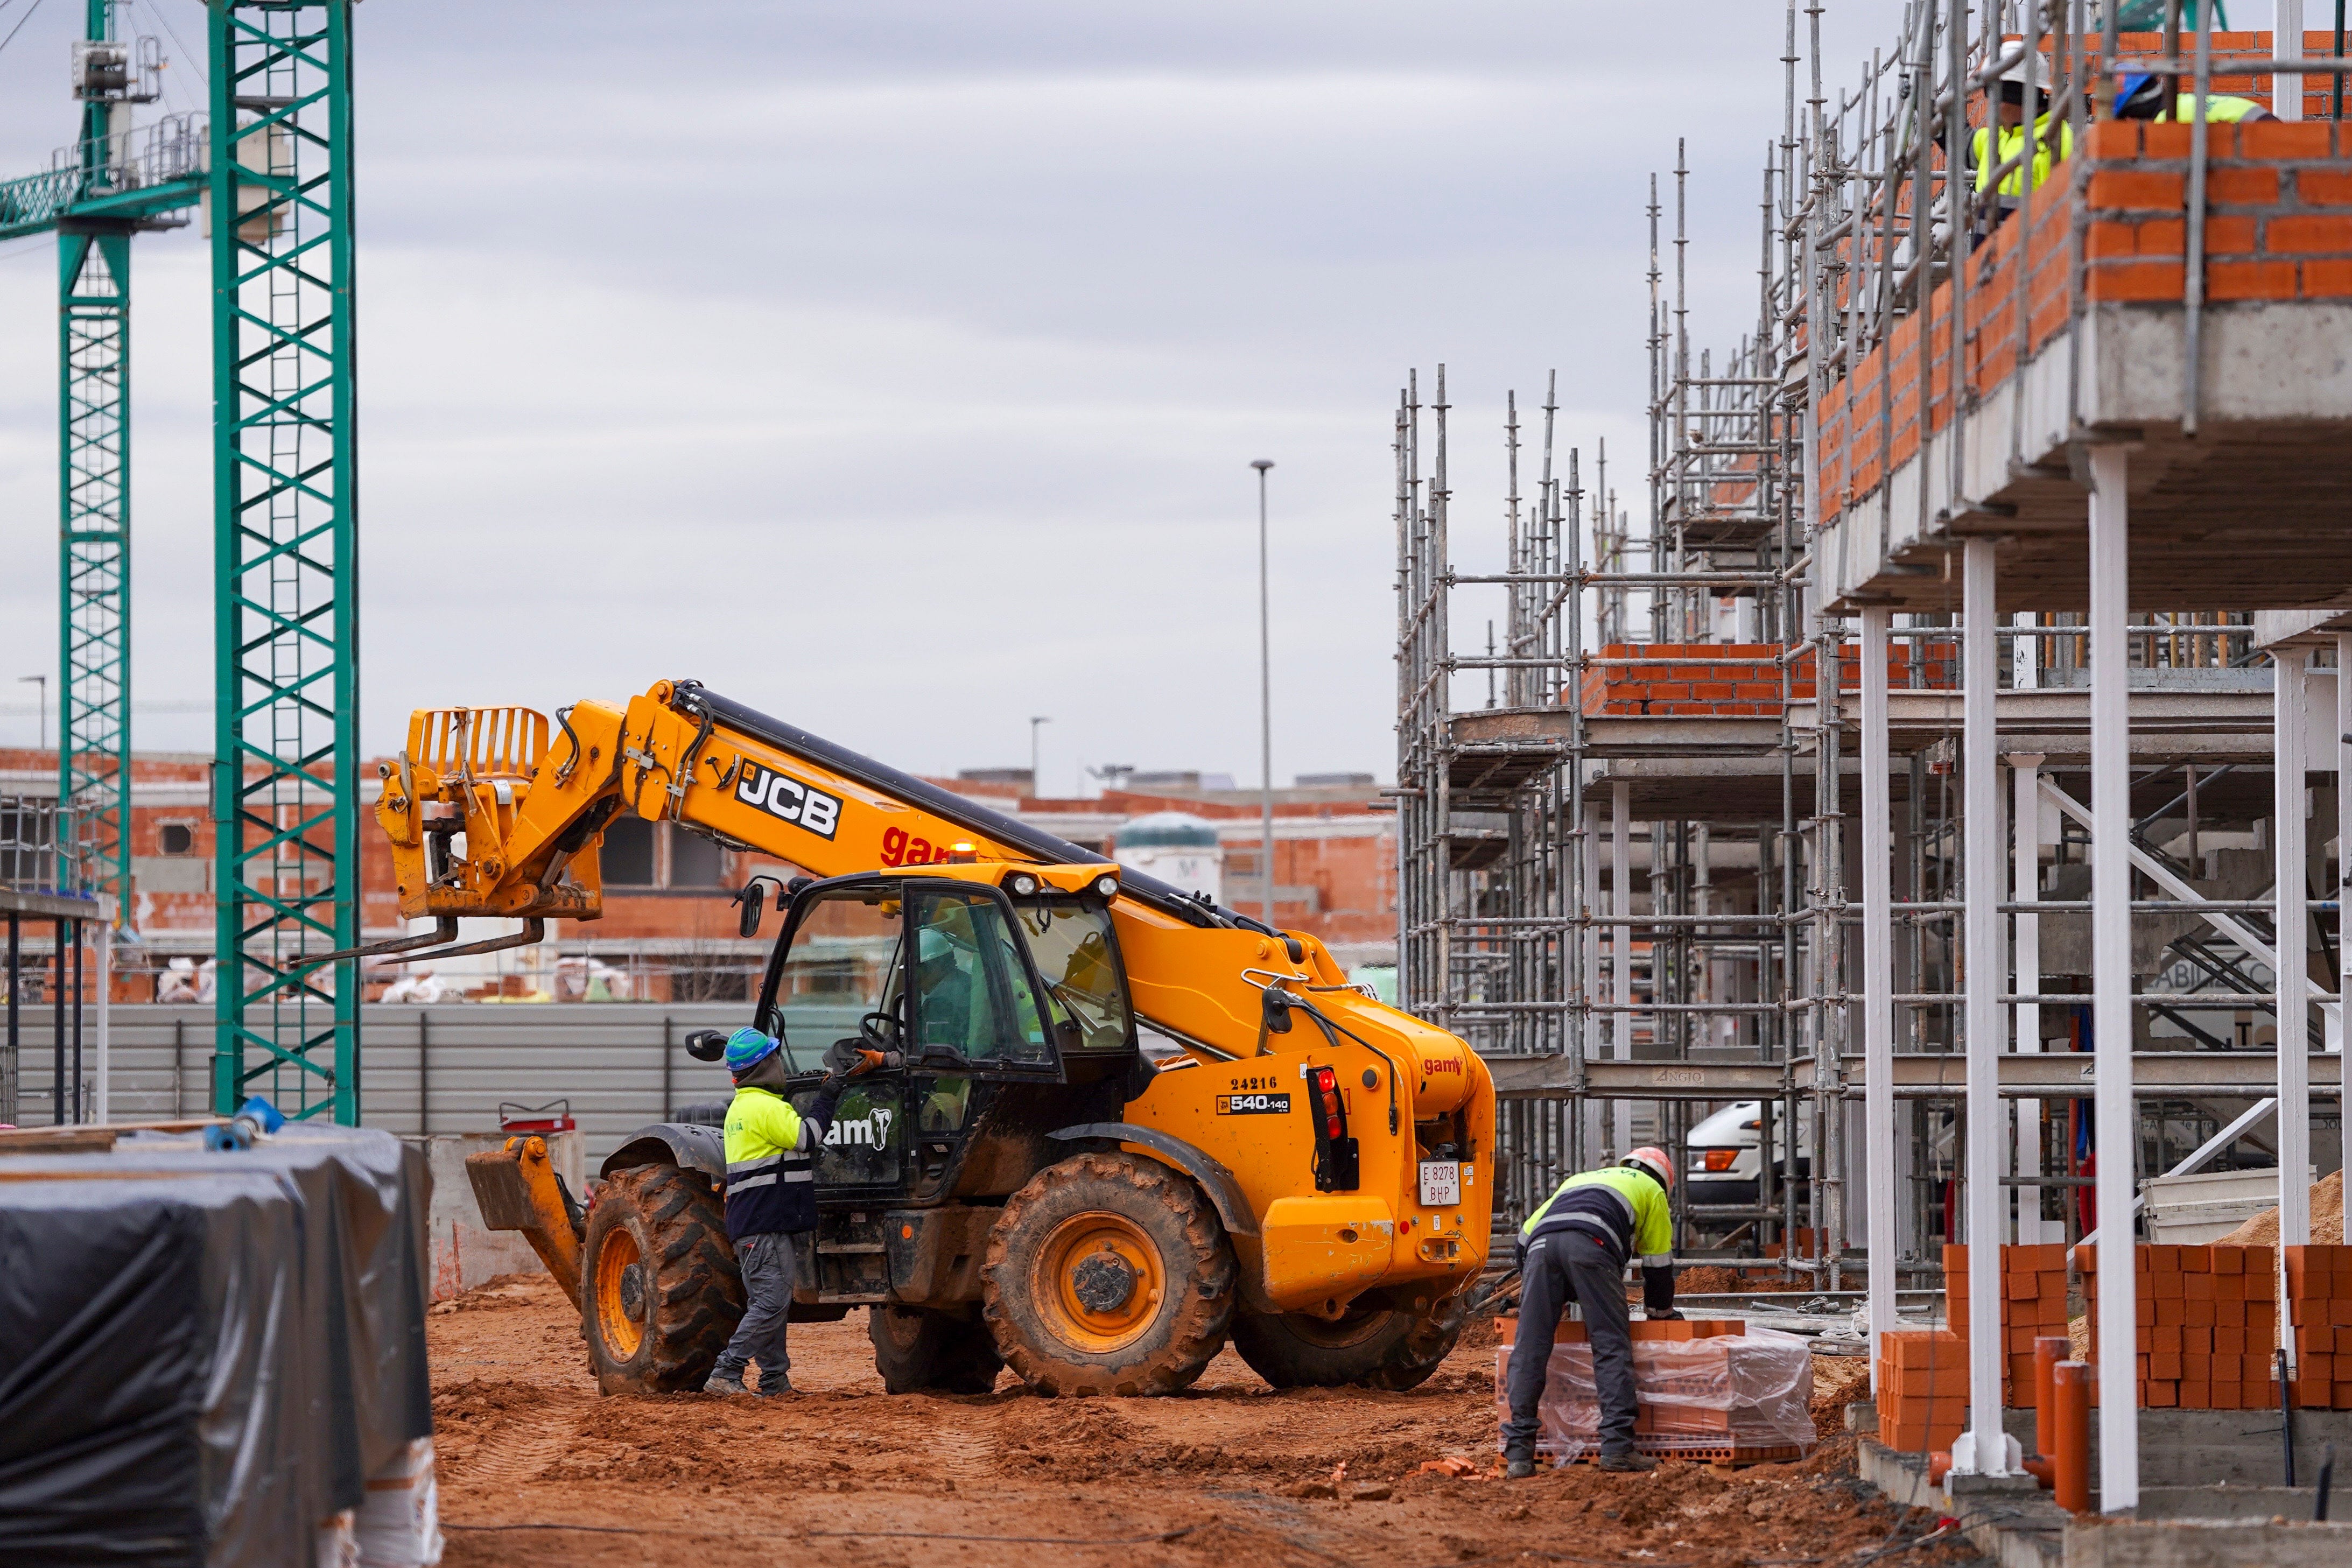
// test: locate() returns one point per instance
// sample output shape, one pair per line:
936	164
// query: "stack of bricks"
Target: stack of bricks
2208	1320
2278	226
1571	1330
2319	1302
1688	680
1923	1389
2033	1305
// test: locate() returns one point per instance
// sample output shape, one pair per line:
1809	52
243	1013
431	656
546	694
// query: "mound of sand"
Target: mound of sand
2326	1219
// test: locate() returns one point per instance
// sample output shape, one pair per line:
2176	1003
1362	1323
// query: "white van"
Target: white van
1726	1153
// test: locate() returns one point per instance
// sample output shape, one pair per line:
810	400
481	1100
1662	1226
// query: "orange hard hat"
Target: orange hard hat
1653	1161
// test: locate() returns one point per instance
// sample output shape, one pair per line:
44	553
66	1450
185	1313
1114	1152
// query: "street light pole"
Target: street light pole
1264	699
1036	783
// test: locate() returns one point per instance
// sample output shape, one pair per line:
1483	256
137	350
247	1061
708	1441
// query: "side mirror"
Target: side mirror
707	1045
754	900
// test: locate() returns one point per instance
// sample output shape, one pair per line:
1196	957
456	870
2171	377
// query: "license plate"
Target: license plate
1441	1182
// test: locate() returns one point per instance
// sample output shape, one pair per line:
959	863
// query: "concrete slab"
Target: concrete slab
2247	514
2204	1543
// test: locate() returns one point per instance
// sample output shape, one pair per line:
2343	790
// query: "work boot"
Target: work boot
776	1386
725	1383
1518	1462
1628	1461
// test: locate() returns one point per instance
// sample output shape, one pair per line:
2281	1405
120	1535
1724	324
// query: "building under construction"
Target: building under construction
1941	768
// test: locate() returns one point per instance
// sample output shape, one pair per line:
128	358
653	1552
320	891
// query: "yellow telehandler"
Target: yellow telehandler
1310	1172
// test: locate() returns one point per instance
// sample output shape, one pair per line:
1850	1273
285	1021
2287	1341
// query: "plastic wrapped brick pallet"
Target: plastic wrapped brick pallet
1733	1398
204	1356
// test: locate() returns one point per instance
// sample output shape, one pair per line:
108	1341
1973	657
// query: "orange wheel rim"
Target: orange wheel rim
616	1260
1100	1280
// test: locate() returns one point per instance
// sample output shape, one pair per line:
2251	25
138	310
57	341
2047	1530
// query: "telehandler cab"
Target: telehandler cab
1009	1180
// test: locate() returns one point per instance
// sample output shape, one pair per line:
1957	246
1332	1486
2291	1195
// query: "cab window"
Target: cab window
973	993
843	965
1078	961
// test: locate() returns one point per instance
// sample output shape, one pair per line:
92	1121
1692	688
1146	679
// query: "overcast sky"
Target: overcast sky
897	367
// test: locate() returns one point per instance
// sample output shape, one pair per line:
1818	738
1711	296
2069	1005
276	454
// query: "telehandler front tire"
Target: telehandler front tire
658	1285
1109	1274
918	1350
1375	1345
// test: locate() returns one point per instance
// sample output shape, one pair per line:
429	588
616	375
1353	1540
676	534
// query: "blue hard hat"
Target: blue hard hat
2132	85
747	1048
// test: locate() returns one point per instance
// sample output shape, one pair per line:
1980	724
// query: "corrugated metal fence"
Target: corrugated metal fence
428	1068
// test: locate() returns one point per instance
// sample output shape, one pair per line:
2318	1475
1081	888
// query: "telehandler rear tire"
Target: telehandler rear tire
1109	1274
1376	1344
918	1350
658	1285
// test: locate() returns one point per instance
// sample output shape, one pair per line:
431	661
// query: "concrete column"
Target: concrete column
2025	887
1883	1196
1620	871
2290	748
2344	868
1984	1450
2114	1118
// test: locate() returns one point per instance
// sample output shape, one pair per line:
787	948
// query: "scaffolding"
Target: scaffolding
1816	764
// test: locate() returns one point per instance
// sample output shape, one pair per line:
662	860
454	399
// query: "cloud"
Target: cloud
896	368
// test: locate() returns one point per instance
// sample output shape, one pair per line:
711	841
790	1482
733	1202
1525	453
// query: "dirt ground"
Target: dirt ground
1230	1475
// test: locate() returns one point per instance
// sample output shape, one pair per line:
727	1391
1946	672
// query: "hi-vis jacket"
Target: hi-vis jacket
1991	146
771	1151
1624	1205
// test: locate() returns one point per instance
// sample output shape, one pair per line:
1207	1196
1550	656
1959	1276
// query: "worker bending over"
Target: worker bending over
771	1151
1575	1249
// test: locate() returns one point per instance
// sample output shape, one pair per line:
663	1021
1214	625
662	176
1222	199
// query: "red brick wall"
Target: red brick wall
1746	685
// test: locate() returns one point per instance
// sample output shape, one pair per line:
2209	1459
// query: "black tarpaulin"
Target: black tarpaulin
204	1354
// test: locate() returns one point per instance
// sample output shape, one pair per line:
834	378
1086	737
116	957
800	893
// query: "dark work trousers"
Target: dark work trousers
766	1262
1562	1266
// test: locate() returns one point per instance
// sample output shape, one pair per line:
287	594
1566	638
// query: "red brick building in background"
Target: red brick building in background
669	931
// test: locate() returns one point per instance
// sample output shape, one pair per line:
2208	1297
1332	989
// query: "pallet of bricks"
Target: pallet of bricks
1706	1390
2208	1325
2320	1308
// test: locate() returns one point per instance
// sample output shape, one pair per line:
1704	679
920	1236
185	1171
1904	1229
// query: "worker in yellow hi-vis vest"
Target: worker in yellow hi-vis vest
1575	1249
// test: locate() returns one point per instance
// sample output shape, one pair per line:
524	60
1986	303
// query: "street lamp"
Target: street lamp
1265	700
1036	783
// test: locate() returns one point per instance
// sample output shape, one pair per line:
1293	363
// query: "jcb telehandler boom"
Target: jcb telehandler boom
1312	1175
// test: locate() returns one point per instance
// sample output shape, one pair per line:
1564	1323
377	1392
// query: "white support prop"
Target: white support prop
102	1110
2025	887
1987	1018
2114	1119
2286	44
2292	964
1880	1188
1595	1020
2343	845
1620	942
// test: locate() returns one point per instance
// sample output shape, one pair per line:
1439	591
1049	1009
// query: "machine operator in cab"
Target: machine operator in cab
1575	1247
772	1149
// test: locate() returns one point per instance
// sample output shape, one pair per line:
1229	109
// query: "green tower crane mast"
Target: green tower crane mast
270	162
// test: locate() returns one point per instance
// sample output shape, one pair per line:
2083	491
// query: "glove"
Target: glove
1663	1315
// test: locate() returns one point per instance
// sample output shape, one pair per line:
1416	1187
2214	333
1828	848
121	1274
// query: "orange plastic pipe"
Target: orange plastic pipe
2049	1350
2071	1403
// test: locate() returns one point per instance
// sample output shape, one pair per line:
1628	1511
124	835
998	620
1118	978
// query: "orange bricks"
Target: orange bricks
1733	679
1923	1389
2208	1320
2277	225
2319	1304
2032	1304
